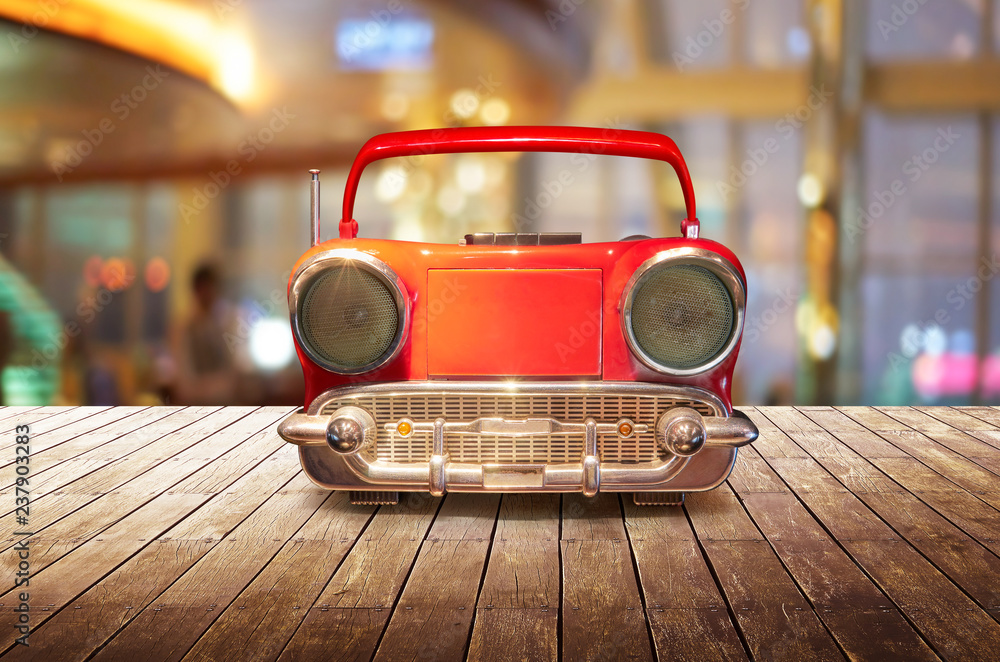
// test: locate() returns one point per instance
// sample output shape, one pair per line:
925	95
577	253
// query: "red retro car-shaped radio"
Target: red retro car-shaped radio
517	362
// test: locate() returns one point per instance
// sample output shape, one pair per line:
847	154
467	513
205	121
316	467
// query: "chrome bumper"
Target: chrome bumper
363	468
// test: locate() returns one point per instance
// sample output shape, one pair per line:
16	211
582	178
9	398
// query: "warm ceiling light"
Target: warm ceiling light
495	111
810	190
235	66
464	103
181	36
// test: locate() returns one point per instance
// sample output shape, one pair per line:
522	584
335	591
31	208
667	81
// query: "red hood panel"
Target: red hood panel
513	322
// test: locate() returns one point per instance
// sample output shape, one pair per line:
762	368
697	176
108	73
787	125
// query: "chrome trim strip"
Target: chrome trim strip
390	389
314	268
438	477
591	463
701	257
516	428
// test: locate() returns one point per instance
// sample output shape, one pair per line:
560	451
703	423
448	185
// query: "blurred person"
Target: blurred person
205	371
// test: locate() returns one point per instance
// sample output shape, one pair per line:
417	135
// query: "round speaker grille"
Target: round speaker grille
682	316
349	317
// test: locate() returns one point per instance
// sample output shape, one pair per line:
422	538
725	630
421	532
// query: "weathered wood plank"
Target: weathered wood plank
713	516
81	567
262	619
854	435
44	421
592	518
52	449
514	635
433	618
675	575
752	474
872	418
603	617
117	598
368	582
961	418
192	603
337	635
876	635
776	620
944	433
827	576
466	517
659	523
989	415
822	570
954	625
86	623
199	463
373	573
769	443
523	569
72	565
91	471
695	635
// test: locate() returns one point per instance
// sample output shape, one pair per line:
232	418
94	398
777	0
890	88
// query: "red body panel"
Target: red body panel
514	322
616	262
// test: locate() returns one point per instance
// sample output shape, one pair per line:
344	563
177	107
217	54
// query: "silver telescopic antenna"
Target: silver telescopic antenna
314	208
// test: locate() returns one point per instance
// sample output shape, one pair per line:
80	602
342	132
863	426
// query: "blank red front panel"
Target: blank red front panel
513	322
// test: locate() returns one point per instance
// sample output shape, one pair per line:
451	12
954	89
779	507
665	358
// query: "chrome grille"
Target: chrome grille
540	449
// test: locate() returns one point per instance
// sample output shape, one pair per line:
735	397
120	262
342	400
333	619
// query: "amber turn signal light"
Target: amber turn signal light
404	428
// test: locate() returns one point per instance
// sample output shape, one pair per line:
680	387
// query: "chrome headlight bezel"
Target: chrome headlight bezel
722	268
320	265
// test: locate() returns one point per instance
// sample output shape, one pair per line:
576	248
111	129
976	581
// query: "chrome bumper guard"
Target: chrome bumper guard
697	433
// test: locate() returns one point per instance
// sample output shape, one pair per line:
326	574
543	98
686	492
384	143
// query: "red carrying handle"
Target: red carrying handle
615	142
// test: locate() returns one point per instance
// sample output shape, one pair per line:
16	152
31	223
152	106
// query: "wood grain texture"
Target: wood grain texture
603	617
336	635
592	518
695	635
433	618
776	620
190	533
192	603
263	617
950	621
515	635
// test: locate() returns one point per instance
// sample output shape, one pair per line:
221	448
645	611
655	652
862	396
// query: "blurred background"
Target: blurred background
154	194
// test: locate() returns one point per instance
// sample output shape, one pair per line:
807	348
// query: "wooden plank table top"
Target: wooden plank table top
190	533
